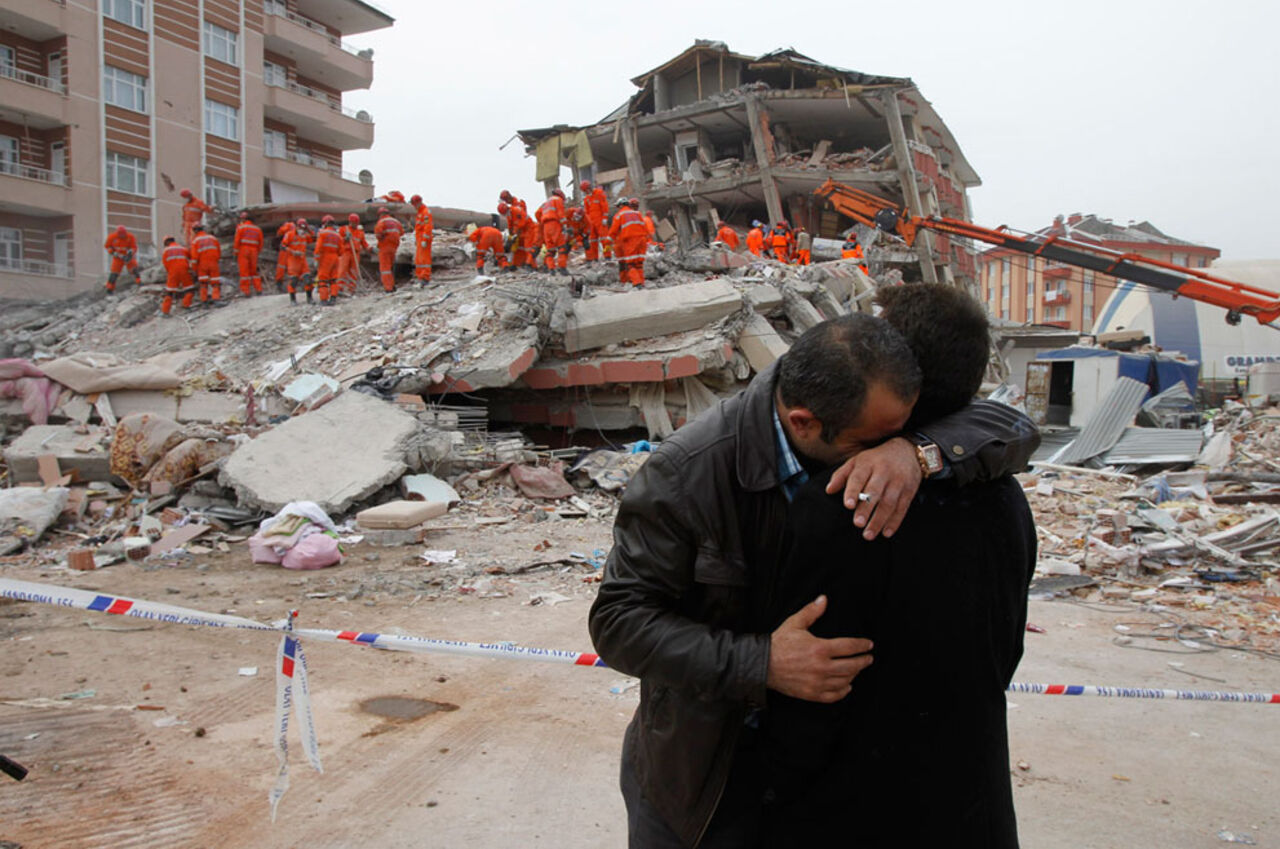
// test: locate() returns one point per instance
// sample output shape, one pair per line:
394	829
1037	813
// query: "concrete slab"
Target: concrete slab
199	406
84	454
494	362
803	314
764	298
760	343
641	365
652	312
297	461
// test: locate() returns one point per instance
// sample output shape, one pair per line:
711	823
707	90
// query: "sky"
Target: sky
1133	110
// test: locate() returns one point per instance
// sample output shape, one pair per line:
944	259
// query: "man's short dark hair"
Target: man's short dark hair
829	367
948	332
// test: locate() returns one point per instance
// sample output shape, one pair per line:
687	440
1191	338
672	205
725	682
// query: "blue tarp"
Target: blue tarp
1158	373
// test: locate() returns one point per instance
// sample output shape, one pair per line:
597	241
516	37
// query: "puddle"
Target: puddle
403	708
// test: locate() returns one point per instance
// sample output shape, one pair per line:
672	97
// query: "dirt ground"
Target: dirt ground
520	753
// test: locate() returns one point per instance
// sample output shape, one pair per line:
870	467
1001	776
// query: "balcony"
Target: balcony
32	100
349	17
318	116
37	20
33	191
1057	270
1054	297
299	169
318	54
24	279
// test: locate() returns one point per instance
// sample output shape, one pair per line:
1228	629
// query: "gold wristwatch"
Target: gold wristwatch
928	455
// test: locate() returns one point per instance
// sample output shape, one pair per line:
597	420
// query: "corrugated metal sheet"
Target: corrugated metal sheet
1143	445
1106	426
1053	441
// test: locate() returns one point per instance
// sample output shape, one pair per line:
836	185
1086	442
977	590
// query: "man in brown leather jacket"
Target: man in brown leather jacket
699	539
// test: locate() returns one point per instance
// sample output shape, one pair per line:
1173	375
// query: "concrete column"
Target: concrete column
684	227
907	176
764	158
631	147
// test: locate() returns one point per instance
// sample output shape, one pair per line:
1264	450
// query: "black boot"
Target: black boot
293	298
309	297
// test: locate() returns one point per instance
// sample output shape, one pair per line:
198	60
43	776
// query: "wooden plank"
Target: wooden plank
178	538
820	152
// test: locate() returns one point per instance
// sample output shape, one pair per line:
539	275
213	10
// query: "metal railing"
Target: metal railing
304	158
325	98
279	10
13	73
32	266
30	172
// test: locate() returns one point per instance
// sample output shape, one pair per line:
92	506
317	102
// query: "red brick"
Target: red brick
522	363
633	371
584	374
543	378
685	366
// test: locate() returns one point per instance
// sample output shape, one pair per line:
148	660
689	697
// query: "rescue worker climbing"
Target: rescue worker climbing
755	238
551	218
727	236
595	208
295	249
652	226
206	253
282	258
631	238
387	232
780	242
328	249
354	246
177	267
576	228
247	245
123	248
488	241
193	211
852	250
423	233
804	246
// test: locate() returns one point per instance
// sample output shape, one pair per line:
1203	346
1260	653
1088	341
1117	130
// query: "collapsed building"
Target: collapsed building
713	134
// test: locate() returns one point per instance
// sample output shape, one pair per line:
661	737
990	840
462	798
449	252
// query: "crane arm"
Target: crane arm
1236	298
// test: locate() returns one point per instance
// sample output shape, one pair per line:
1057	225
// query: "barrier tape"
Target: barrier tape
1143	693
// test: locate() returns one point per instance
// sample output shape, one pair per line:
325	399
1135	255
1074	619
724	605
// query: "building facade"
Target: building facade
1028	289
109	108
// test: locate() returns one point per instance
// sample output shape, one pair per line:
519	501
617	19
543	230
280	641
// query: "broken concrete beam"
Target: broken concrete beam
491	363
298	461
764	298
199	406
656	312
760	343
701	260
803	314
83	455
826	304
639	366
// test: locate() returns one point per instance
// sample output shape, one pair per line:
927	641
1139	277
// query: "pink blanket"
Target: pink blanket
39	394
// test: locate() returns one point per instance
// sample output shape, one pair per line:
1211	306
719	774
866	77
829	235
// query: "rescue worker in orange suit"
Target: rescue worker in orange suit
780	243
282	258
631	240
755	238
513	201
576	228
512	243
530	238
551	218
595	208
177	266
852	250
392	196
488	240
804	246
652	227
192	214
387	232
328	250
247	245
727	236
423	233
123	248
206	253
354	246
295	249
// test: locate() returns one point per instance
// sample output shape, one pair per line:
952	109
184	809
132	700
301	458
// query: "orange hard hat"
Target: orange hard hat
186	193
633	202
353	218
505	195
121	230
415	200
382	210
503	209
585	185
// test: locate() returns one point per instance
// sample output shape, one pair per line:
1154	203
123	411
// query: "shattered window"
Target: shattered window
222	192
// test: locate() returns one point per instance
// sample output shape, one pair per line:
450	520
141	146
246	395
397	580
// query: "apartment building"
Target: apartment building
1029	289
109	109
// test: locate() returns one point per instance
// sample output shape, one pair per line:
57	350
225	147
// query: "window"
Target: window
10	247
126	173
8	155
124	89
131	12
1180	259
8	61
275	143
273	74
221	120
222	192
1031	293
221	44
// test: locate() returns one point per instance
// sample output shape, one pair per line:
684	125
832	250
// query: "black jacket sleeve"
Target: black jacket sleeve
984	441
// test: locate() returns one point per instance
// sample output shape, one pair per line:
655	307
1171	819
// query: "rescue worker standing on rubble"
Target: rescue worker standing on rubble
423	233
193	211
551	218
247	245
206	253
488	241
282	258
595	208
804	246
295	249
577	229
780	242
123	248
652	226
852	250
388	232
328	249
755	238
354	246
177	267
631	237
727	236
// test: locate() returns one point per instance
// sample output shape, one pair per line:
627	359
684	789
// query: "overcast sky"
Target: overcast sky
1163	111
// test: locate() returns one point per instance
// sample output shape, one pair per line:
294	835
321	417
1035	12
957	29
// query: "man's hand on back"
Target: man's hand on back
890	474
807	667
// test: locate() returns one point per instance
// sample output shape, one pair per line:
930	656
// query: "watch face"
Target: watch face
932	457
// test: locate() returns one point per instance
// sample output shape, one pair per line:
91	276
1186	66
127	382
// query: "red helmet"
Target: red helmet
197	228
186	193
506	195
415	200
244	216
302	222
503	209
634	203
585	185
558	193
353	218
328	219
121	230
382	210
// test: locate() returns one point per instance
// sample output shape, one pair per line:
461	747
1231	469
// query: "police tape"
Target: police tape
1144	693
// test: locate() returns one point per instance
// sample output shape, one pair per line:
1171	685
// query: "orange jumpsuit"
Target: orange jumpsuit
354	246
124	252
387	231
595	207
282	258
576	229
755	240
488	239
853	250
248	244
192	214
551	217
780	244
729	236
294	247
652	227
631	237
525	229
177	264
804	248
205	254
423	233
328	249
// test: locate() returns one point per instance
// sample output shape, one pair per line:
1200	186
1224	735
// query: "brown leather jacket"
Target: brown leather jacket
685	599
